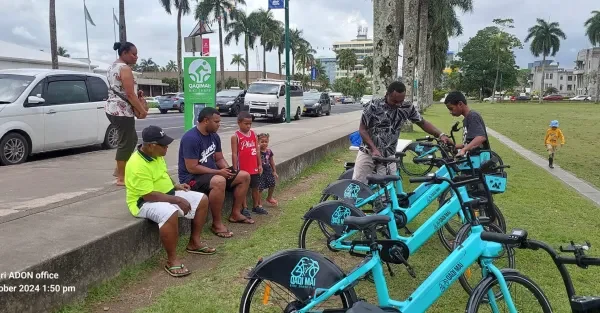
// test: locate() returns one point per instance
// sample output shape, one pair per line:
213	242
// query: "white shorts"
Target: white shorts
160	212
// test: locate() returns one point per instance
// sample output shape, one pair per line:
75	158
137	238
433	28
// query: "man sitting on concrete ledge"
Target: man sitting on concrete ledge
152	194
203	167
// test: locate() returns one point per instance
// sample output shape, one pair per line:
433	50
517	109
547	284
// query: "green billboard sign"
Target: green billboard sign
199	86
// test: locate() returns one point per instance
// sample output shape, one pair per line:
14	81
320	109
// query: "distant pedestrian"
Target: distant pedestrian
246	157
125	102
553	136
269	170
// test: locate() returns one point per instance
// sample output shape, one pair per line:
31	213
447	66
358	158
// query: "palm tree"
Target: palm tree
280	44
545	40
267	28
238	60
296	41
148	65
368	65
592	31
171	66
61	51
346	60
241	26
305	57
122	27
218	9
183	8
53	40
411	25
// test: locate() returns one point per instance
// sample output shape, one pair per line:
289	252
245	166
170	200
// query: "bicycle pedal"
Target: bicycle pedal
411	271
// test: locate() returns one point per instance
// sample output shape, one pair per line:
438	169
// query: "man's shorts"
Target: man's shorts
254	180
365	166
201	183
160	212
551	149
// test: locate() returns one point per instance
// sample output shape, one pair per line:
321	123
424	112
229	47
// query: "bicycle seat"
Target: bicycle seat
385	160
382	179
365	222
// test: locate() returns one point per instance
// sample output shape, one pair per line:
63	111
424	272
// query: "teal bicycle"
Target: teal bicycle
311	281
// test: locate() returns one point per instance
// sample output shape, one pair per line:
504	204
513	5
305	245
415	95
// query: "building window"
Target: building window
569	78
560	87
561	77
551	75
569	87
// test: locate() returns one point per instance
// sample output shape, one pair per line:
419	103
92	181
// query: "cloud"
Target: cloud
323	22
23	32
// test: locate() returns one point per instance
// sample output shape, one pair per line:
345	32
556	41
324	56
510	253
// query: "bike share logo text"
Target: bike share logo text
351	192
440	221
304	273
339	215
199	72
450	276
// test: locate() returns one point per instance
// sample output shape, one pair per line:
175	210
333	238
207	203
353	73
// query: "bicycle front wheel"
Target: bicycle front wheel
411	168
535	301
265	296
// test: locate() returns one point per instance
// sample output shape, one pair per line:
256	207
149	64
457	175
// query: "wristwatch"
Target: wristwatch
442	134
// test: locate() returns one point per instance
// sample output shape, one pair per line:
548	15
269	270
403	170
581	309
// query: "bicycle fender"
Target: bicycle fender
301	271
349	190
333	213
347	174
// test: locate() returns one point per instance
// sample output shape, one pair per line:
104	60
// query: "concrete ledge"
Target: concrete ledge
103	258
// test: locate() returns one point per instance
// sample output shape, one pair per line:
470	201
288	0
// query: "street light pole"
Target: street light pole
287	61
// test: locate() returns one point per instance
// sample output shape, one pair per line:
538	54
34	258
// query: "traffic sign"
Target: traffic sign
276	4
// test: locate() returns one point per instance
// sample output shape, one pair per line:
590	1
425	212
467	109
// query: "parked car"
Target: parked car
152	102
489	99
523	98
316	103
553	98
347	99
231	101
581	98
171	101
366	99
44	110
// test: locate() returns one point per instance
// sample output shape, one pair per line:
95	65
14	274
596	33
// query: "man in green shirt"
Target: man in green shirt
152	194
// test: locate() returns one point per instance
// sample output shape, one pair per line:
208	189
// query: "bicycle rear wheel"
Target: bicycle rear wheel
267	291
538	303
409	167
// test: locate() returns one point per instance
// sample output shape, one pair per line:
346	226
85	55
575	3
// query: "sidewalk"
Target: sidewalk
64	216
579	185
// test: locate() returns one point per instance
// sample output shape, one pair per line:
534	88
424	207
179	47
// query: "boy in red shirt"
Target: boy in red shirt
245	156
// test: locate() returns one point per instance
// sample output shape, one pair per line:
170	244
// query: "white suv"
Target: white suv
44	110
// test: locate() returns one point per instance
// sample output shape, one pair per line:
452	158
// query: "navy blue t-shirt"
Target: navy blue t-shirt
194	145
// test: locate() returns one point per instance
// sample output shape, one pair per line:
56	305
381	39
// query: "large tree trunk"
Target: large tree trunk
264	62
386	40
179	56
279	57
222	59
247	61
293	63
122	27
496	80
423	53
53	40
543	78
411	23
238	75
428	79
597	84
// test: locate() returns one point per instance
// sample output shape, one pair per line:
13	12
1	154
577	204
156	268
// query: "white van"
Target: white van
266	98
44	110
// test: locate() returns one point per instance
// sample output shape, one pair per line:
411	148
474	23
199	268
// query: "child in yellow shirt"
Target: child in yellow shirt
553	135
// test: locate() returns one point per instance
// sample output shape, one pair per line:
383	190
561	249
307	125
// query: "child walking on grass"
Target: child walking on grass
246	157
553	136
269	173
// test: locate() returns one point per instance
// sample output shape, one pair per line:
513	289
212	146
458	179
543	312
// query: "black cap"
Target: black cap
155	134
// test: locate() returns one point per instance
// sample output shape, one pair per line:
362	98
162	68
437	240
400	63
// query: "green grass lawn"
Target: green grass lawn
535	201
527	124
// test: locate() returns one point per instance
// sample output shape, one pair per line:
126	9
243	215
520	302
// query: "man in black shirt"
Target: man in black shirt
474	133
380	129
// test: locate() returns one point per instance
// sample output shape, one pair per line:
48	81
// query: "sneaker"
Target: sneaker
246	212
260	210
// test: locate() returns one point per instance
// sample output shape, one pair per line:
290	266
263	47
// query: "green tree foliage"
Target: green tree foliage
481	59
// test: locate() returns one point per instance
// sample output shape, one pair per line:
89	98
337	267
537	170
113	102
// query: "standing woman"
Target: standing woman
124	104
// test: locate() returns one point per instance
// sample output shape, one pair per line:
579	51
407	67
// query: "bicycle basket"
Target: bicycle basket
496	182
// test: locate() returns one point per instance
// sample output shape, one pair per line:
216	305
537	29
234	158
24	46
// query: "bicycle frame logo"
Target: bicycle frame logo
450	276
304	273
339	215
351	192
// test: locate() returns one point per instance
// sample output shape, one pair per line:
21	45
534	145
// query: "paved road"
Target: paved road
172	123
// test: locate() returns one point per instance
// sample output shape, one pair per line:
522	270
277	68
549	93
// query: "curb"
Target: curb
104	258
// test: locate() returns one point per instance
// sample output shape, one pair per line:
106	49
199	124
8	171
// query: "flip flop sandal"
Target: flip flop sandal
177	267
242	221
222	233
205	250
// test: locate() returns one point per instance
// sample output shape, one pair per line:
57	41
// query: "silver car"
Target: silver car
171	101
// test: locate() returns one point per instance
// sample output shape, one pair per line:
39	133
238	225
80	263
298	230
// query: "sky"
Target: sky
154	32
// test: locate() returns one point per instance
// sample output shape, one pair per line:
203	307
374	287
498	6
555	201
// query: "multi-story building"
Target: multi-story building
362	46
564	80
330	65
586	67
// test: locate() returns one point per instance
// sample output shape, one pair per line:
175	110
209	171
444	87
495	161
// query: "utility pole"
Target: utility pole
287	61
